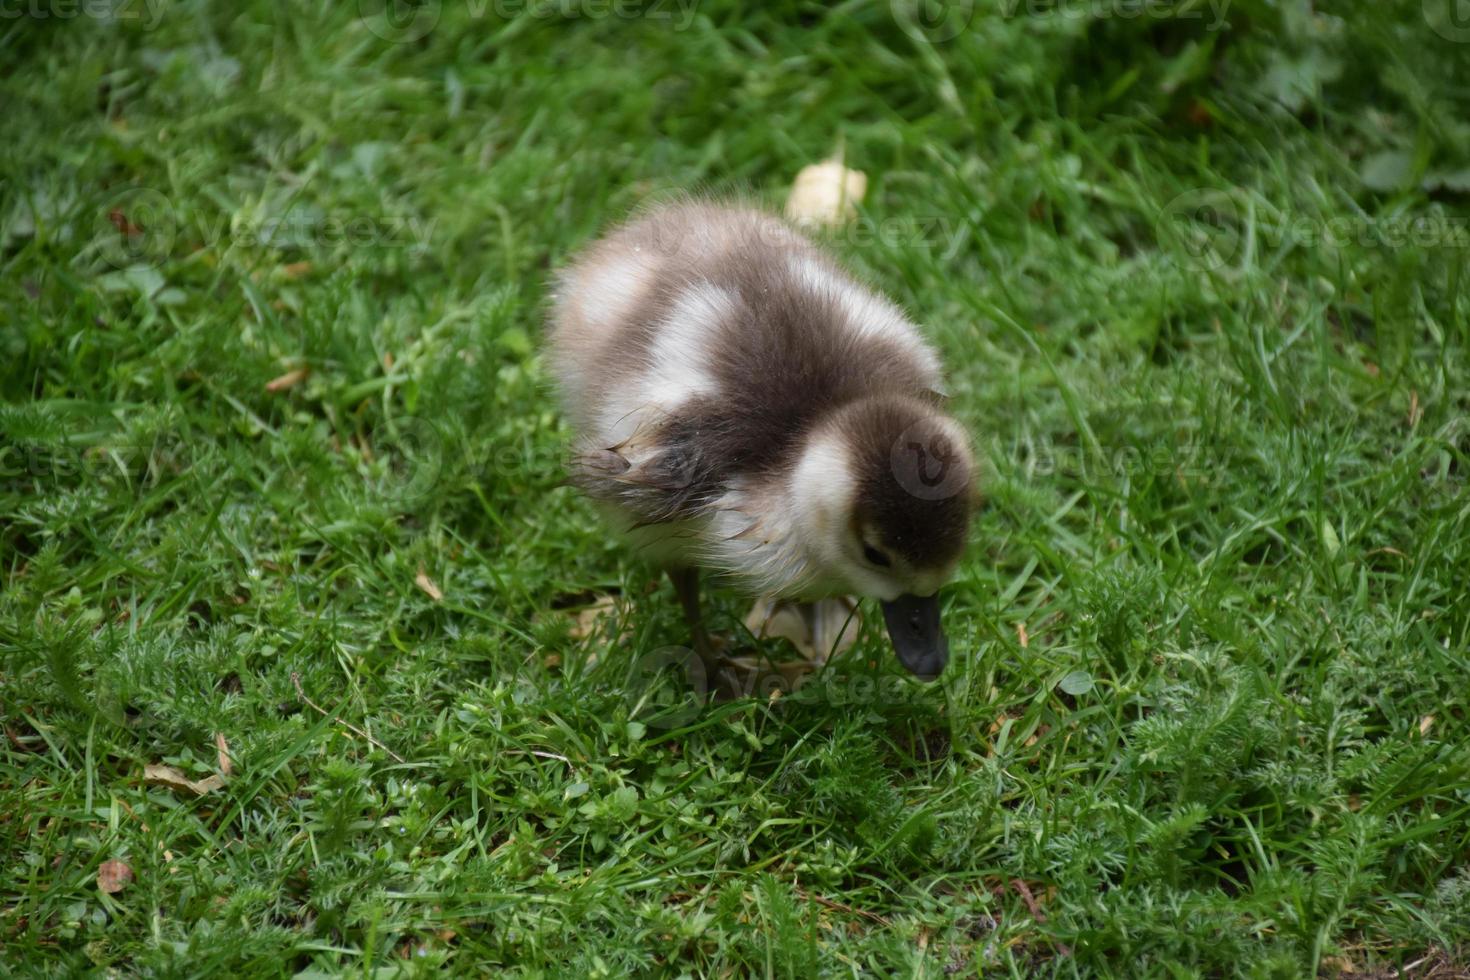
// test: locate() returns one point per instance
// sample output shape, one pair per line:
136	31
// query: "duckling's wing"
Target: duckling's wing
661	485
635	329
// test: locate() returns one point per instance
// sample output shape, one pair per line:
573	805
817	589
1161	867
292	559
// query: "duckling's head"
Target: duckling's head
882	491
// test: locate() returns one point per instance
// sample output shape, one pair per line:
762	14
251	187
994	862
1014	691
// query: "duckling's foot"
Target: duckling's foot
819	630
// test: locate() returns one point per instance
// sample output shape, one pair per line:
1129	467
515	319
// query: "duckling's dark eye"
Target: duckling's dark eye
875	556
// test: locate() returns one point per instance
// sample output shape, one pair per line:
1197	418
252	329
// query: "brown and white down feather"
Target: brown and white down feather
722	375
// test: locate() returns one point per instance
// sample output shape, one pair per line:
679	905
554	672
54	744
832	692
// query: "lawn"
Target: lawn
311	665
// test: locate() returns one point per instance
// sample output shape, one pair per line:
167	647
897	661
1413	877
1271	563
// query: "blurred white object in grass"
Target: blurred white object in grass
825	194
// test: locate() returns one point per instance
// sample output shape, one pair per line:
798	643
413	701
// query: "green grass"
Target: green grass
1203	295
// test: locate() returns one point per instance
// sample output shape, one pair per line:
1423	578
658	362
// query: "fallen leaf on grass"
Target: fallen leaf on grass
24	743
1032	739
113	876
431	590
586	620
1425	724
222	754
121	222
288	380
1022	636
157	774
826	194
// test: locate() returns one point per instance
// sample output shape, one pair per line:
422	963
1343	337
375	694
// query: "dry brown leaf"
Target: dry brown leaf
1022	636
113	876
431	590
295	270
157	774
222	754
24	743
1032	905
586	620
121	223
288	380
826	193
1425	724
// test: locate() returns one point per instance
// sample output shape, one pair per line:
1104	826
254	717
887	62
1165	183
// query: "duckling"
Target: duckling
743	405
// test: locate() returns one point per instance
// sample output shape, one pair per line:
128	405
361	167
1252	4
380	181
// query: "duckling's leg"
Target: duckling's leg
686	587
721	680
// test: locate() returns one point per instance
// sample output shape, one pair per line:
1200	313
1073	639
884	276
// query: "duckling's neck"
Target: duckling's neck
753	537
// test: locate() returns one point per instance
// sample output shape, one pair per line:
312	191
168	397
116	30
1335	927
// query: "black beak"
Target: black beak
918	639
